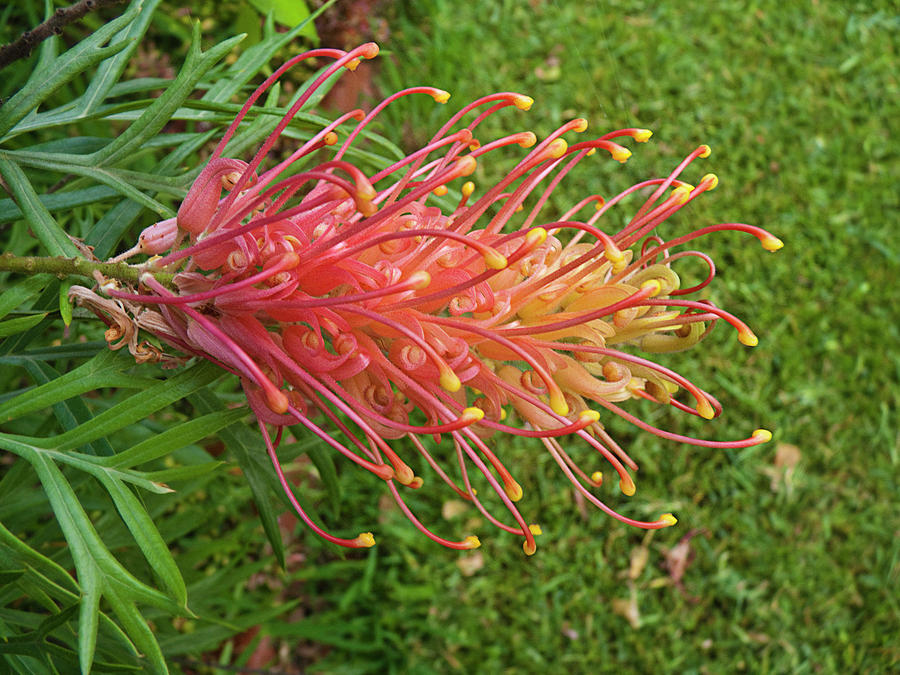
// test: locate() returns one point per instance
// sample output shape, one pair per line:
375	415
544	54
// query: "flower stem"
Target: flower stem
82	267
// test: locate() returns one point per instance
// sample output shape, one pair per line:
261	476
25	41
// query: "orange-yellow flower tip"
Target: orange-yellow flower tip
597	477
472	414
668	519
592	151
420	279
365	540
370	50
621	154
536	236
772	243
472	541
579	125
352	65
449	381
513	489
439	191
529	547
523	102
762	435
653	285
330	138
366	207
277	401
712	179
402	473
465	166
747	337
535	529
528	139
626	485
416	483
557	148
705	151
495	260
558	403
642	135
682	193
613	253
705	409
502	414
440	95
589	416
467	188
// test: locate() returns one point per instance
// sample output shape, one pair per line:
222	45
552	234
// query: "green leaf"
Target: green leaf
45	227
58	201
289	13
158	114
14	296
172	439
247	447
20	325
62	69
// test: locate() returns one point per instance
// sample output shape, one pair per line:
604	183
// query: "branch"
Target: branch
129	274
63	16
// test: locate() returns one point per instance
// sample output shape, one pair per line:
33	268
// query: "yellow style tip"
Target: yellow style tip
523	102
558	403
529	138
420	279
627	487
495	260
589	416
536	236
579	125
682	193
762	435
472	414
653	286
529	547
365	540
705	151
705	409
441	96
450	382
621	154
746	337
613	253
513	490
439	191
668	519
472	541
330	138
466	165
467	188
557	148
642	135
772	243
535	529
712	179
597	477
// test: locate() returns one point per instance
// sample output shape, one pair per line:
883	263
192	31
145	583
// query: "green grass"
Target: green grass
798	102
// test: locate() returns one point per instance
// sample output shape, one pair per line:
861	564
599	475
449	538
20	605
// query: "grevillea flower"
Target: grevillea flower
352	302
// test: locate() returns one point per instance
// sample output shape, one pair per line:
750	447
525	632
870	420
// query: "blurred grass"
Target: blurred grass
799	103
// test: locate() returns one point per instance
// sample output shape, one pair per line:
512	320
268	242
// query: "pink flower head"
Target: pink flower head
353	302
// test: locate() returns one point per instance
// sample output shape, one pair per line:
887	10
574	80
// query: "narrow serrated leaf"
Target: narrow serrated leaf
172	439
19	325
45	227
